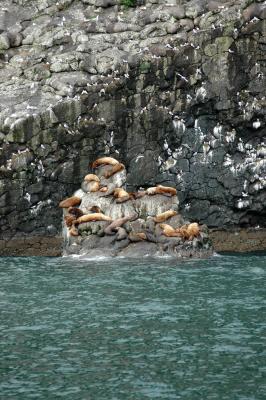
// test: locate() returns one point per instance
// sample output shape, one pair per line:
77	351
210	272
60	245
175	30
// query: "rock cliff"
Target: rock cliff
175	89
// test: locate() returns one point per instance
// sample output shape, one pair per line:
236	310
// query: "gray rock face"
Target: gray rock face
175	91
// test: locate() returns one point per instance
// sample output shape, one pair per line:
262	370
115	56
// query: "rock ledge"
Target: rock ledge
103	219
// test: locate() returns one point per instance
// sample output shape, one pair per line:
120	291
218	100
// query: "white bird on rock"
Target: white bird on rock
256	124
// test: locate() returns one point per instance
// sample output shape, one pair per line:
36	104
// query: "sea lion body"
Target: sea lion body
69	220
91	178
169	231
159	189
123	199
193	229
73	231
90	186
103	161
109	230
119	192
116	168
70	202
76	212
94	186
182	232
93	217
137	237
189	231
121	195
164	216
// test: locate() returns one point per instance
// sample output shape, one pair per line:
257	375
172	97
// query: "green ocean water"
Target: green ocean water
119	329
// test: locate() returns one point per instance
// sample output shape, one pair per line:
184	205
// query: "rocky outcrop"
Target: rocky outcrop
114	222
175	88
239	240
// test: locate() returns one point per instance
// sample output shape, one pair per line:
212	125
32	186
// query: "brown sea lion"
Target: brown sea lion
70	202
75	211
93	217
159	189
116	168
169	231
69	219
91	186
103	189
164	216
121	195
94	186
104	161
109	230
182	232
123	199
119	192
193	229
91	177
73	231
137	237
189	231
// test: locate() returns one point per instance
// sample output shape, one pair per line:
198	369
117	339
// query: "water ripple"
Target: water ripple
130	330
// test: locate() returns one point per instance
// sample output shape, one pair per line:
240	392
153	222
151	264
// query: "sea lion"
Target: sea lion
123	199
119	192
70	202
76	212
93	217
193	229
121	195
182	232
103	161
137	237
169	231
116	168
164	216
69	219
159	189
90	186
73	231
94	186
109	230
189	231
91	177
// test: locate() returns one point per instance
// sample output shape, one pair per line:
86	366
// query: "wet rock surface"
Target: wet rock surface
135	227
176	89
